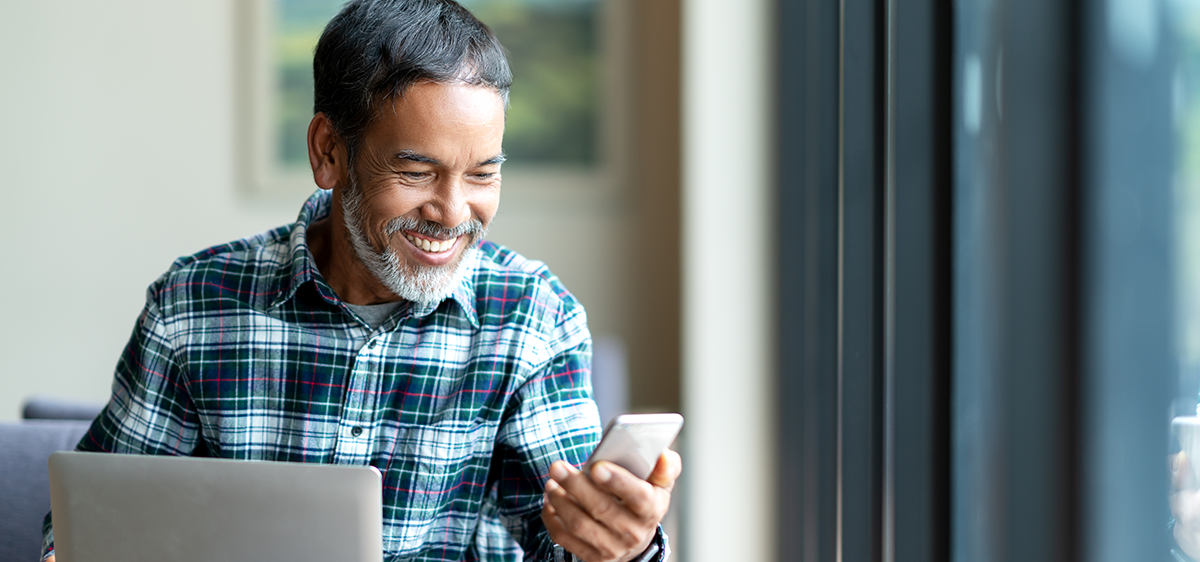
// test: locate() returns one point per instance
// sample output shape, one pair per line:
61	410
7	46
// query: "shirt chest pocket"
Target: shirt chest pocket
429	463
431	470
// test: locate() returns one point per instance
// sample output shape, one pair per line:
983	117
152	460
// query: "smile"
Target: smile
431	246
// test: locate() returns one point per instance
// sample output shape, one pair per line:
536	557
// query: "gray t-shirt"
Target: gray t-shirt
375	314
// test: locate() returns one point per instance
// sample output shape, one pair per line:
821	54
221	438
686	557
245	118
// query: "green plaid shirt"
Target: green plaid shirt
243	351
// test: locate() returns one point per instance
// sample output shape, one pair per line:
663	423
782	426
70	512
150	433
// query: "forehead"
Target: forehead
431	112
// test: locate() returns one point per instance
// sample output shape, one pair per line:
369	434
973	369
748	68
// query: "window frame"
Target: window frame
974	365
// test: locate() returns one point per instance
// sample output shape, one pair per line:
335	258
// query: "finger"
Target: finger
1174	461
667	470
563	538
637	495
573	529
578	496
1182	476
599	503
557	529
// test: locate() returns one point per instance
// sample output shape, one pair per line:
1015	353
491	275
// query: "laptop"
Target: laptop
128	508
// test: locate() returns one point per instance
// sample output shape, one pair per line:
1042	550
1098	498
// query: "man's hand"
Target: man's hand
611	516
1185	505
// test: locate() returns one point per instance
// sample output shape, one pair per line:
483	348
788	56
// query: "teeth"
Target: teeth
432	246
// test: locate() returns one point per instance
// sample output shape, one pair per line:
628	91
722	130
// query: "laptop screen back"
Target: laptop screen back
130	507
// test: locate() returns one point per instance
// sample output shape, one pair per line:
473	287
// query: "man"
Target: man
378	329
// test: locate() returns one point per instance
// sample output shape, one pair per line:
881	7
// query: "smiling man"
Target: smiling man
380	329
410	213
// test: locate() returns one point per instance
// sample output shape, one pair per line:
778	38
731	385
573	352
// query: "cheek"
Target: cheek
390	204
485	207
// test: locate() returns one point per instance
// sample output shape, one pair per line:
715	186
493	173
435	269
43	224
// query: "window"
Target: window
1184	33
556	124
556	59
986	242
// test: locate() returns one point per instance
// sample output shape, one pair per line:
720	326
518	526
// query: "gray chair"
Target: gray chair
55	408
25	448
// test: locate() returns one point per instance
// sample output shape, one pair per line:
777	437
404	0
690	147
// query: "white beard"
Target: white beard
413	282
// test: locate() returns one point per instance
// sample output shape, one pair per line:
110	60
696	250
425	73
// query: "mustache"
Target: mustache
472	227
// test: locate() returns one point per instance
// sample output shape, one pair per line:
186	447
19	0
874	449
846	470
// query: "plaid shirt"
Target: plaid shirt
243	351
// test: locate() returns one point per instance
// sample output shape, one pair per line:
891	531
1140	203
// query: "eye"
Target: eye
483	176
414	175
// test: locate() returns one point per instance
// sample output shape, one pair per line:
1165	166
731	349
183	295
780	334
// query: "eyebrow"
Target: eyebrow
414	156
497	159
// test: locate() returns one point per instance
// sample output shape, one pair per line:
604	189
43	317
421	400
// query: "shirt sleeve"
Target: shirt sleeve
150	411
551	418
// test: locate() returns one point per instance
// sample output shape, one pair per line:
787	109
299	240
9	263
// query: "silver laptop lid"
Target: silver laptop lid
110	508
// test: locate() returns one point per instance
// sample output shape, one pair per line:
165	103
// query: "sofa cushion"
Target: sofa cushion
25	481
58	408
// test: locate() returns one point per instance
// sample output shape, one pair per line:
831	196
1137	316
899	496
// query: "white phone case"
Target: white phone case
635	441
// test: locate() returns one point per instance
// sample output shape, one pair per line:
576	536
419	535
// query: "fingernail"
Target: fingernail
551	486
558	471
601	474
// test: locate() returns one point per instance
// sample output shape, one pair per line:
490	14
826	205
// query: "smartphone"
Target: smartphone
635	441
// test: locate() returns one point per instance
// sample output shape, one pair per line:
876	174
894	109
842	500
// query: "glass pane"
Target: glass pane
1185	23
1187	94
298	26
554	51
1185	498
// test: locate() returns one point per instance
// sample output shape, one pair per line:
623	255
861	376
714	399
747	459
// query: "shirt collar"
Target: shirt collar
301	268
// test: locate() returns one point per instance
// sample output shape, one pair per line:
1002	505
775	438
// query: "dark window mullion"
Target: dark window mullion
808	276
919	310
862	191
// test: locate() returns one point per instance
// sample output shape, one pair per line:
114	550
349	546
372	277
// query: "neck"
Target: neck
338	264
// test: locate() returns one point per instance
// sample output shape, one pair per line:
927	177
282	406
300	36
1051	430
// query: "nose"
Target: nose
448	206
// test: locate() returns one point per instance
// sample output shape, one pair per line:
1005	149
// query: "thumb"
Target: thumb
667	470
1181	472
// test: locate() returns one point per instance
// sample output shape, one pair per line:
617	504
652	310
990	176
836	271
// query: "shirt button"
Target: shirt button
371	345
356	431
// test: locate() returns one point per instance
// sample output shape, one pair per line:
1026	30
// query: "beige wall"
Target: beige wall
117	157
728	337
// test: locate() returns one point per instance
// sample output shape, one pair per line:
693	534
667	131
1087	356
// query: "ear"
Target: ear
326	152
